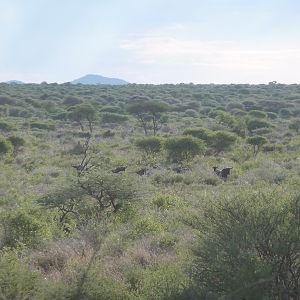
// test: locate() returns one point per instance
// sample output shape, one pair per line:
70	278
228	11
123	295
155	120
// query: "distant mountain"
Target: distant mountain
15	82
97	79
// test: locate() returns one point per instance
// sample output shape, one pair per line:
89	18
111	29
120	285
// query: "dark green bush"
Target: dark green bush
257	114
5	145
17	280
113	118
149	145
253	124
183	148
204	134
249	245
42	125
223	140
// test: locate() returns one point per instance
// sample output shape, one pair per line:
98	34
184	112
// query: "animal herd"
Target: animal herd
222	173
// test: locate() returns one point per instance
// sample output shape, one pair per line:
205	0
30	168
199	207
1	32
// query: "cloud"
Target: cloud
221	59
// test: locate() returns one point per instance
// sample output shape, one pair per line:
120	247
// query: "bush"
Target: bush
166	202
223	140
272	115
257	114
17	142
191	113
5	126
249	246
113	118
183	148
145	226
165	283
17	281
108	134
111	109
149	145
253	124
42	125
256	141
204	134
22	228
5	145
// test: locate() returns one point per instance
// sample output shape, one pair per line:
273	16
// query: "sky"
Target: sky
151	41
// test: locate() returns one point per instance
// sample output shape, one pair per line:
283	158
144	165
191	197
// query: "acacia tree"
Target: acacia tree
223	140
183	148
83	113
256	141
149	113
108	189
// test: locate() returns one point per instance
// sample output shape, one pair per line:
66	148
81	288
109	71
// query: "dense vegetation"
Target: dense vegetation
73	229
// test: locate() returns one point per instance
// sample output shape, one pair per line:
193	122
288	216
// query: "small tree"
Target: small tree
108	189
5	145
204	134
226	119
150	145
17	143
67	200
295	125
253	124
256	141
83	113
149	113
223	140
183	148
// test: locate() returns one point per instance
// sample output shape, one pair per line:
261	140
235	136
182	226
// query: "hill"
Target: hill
15	82
98	79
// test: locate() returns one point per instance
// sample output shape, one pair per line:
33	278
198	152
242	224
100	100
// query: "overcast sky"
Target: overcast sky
151	41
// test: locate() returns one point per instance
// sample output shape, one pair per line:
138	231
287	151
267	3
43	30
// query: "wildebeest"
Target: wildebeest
119	169
222	173
180	169
141	172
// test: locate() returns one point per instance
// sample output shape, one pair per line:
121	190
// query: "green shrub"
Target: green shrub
22	228
204	134
42	125
249	245
4	126
5	145
257	114
17	142
223	140
17	280
113	118
253	124
144	226
164	283
256	141
166	202
183	148
108	134
272	115
149	145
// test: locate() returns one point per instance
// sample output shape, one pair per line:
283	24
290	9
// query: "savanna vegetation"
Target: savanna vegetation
109	192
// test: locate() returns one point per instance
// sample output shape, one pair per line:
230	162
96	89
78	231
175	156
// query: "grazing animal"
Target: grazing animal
141	172
180	169
119	169
222	173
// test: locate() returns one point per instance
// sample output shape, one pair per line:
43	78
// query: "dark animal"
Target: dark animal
77	167
119	169
222	173
141	172
180	169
